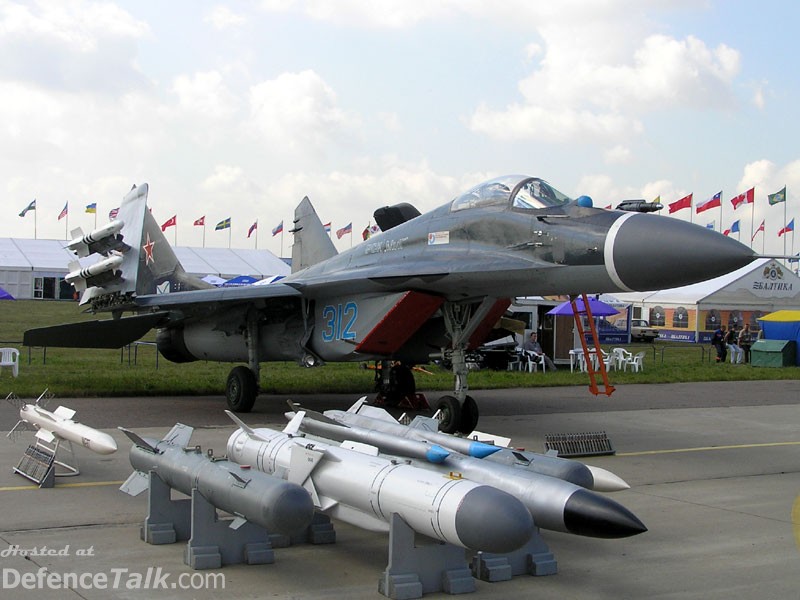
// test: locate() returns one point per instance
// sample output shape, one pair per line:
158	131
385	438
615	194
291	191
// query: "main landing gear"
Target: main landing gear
241	388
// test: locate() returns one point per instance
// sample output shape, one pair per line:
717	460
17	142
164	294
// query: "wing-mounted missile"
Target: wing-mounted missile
100	241
102	272
639	206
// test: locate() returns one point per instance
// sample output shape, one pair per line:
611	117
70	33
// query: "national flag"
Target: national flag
369	231
112	214
685	202
327	227
760	228
735	226
31	206
64	211
726	232
201	222
746	198
92	208
253	227
713	202
777	197
789	227
344	230
608	207
712	225
224	224
795	258
171	222
277	229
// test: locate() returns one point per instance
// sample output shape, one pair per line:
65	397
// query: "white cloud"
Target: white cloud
205	94
299	111
222	17
618	155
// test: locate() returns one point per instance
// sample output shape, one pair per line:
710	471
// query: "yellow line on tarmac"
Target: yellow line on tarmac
704	448
17	488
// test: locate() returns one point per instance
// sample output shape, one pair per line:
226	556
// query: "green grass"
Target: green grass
69	372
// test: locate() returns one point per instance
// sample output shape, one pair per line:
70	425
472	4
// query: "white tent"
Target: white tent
688	313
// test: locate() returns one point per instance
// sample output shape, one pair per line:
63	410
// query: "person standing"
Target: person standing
745	341
718	341
732	340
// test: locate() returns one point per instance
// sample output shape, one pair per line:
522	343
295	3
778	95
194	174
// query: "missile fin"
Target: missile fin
179	435
136	483
355	408
137	440
424	424
303	462
251	433
294	425
62	412
45	435
237	523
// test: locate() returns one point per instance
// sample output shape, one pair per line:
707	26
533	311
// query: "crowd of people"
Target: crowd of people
737	341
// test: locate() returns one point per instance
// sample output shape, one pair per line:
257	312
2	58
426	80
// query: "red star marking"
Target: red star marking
148	251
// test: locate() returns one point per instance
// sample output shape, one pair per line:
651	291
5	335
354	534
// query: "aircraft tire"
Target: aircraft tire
241	389
401	385
451	414
469	415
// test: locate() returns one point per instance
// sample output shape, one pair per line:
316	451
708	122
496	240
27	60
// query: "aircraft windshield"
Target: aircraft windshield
518	191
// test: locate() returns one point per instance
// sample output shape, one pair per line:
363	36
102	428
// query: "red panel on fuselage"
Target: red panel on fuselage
400	323
497	311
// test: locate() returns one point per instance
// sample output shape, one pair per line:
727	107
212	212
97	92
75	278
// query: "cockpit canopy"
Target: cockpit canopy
517	191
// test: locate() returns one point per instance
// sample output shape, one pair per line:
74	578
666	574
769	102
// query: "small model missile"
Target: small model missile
58	425
277	505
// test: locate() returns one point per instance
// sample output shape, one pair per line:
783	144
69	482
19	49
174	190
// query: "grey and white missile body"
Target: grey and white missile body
99	240
555	504
96	274
58	425
422	428
364	489
277	505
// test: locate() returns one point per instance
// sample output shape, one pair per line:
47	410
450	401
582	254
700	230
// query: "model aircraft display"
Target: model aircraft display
58	425
355	485
429	286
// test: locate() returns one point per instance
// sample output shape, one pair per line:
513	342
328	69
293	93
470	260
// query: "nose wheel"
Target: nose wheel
241	389
457	417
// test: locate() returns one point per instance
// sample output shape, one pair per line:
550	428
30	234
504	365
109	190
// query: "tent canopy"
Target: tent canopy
4	295
598	308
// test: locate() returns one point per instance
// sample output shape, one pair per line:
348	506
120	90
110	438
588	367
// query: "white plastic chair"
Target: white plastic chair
637	362
609	359
9	357
533	362
622	358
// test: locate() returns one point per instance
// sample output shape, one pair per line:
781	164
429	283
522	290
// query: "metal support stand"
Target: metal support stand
168	521
216	542
38	465
251	339
416	570
534	558
320	531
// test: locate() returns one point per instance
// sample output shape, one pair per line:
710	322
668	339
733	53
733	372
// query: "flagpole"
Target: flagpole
35	212
230	230
785	202
281	256
95	216
752	216
176	231
256	234
204	231
66	226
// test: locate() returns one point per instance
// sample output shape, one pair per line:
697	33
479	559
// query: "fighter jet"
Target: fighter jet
429	285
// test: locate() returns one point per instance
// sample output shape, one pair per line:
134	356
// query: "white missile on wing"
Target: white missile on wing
96	274
364	489
424	428
58	425
277	505
100	240
554	503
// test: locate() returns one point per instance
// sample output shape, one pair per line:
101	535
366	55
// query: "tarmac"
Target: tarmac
714	470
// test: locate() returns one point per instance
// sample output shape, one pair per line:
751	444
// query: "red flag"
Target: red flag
253	227
746	198
714	202
760	228
685	202
201	221
170	223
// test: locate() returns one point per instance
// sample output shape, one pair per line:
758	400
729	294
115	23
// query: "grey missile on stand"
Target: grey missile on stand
277	505
424	428
555	504
365	490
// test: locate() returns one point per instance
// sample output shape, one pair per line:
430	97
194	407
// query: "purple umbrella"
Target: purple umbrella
599	309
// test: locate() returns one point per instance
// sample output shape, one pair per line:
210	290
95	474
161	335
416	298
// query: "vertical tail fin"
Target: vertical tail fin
149	265
311	243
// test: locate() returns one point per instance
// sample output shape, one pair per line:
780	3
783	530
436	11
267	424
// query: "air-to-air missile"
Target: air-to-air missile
277	505
58	425
96	274
374	418
364	489
102	239
555	504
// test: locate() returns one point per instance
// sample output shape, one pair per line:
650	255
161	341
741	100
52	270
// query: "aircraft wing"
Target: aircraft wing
241	294
111	333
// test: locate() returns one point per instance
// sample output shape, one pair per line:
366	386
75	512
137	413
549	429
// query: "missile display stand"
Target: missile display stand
416	569
213	541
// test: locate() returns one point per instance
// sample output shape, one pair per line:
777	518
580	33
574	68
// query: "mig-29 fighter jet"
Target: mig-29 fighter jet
429	285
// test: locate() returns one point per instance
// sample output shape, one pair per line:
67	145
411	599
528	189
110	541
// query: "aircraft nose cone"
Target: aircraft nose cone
651	252
593	515
493	521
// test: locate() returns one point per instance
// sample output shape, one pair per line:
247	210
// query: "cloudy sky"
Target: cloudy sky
239	109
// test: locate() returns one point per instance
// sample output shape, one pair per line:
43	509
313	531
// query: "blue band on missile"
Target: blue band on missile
481	450
436	454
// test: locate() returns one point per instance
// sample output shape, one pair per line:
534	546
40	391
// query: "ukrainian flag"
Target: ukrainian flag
91	208
224	224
